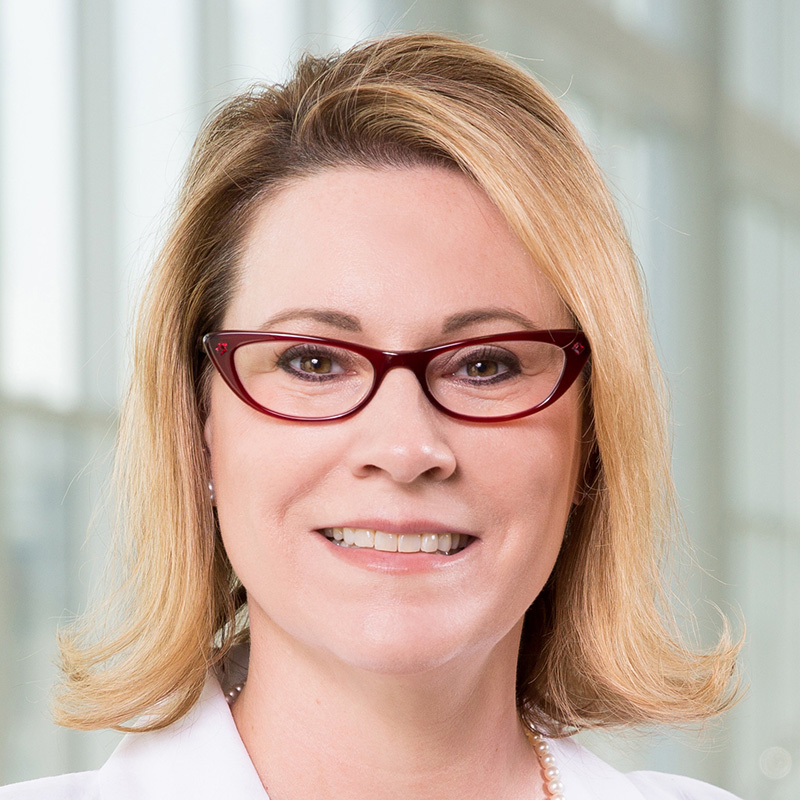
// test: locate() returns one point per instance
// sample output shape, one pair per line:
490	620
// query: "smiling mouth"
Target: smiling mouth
441	543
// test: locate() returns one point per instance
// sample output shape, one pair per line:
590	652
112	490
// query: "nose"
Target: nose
400	434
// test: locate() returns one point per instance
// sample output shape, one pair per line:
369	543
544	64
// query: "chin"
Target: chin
404	643
399	660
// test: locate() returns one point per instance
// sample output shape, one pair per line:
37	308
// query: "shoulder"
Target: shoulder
587	777
201	756
657	785
76	786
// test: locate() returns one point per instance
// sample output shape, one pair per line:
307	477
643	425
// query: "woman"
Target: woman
394	461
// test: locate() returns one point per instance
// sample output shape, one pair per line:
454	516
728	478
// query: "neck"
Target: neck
315	727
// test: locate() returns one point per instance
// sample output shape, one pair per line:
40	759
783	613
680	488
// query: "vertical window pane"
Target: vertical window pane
350	20
763	394
46	570
757	46
754	365
790	365
38	297
666	21
262	33
158	115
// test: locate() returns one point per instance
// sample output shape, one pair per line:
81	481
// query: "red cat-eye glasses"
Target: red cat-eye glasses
313	379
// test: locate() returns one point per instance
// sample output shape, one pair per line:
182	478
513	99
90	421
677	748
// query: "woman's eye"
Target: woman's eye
484	368
313	362
486	365
322	365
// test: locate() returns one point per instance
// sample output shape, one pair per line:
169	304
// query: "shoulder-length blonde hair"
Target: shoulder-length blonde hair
597	647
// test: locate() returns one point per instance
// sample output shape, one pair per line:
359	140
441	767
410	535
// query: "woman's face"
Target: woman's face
396	259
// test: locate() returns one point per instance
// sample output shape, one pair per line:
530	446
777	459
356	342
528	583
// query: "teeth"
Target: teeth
408	543
362	538
398	543
386	541
429	543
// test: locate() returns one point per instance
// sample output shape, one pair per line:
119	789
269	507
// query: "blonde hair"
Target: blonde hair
598	647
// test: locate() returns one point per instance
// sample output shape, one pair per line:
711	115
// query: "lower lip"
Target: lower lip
396	563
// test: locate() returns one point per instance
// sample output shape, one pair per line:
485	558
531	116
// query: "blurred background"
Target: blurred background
692	109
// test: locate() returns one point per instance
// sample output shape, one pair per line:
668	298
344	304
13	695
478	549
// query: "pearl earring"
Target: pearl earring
211	494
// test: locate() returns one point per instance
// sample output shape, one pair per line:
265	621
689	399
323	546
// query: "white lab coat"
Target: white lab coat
202	757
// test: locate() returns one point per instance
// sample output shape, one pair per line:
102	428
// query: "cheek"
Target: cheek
257	491
531	466
262	467
247	479
531	483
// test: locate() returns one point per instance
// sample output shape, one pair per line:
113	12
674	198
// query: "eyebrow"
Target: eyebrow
456	322
336	319
453	323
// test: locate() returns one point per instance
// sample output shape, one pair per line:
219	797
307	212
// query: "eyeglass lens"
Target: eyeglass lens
307	379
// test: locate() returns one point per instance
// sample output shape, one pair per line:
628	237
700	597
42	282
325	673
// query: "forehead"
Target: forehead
399	249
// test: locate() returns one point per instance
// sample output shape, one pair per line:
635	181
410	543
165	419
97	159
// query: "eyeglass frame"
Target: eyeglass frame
220	346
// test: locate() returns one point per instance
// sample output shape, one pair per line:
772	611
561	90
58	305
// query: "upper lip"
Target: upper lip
401	526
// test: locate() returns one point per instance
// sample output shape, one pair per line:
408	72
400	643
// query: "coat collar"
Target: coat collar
202	756
586	777
199	756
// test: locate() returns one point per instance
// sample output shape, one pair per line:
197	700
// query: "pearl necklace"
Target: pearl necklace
553	787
